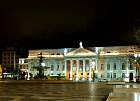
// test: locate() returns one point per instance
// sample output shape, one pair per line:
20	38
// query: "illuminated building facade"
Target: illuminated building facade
23	67
10	59
91	63
53	62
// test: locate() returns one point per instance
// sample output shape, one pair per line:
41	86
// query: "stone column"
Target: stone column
65	65
90	71
83	70
71	69
127	68
77	69
96	66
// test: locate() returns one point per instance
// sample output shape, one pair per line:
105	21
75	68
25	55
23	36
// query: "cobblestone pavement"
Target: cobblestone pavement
54	92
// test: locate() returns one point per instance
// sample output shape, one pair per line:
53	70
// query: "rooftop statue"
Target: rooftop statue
81	46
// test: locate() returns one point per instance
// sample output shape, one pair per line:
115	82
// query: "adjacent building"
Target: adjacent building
10	60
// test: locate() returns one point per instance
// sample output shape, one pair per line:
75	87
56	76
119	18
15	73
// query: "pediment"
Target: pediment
80	52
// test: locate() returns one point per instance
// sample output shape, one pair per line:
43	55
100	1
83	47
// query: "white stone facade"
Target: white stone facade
92	63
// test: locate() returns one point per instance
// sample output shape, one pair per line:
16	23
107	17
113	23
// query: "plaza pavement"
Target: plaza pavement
45	81
40	90
121	91
36	81
125	92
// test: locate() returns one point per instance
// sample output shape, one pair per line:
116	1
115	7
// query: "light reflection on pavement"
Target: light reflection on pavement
55	92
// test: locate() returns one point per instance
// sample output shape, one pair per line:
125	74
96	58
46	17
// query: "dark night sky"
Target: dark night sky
63	23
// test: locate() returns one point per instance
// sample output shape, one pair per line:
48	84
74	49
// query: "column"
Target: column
28	70
65	65
127	69
96	66
70	69
90	71
77	67
83	70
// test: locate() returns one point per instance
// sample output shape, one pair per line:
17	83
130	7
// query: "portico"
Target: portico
80	64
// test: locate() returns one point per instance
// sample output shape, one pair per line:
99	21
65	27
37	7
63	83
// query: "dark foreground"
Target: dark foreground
54	91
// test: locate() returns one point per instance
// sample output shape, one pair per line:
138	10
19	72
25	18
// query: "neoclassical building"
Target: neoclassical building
86	63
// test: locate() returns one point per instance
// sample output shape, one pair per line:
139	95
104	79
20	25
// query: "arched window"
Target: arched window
131	66
123	75
123	66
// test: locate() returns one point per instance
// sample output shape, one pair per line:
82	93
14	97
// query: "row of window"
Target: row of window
114	75
123	66
57	68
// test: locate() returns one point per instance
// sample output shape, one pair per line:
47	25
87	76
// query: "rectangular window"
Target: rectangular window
52	67
114	66
131	66
108	66
108	75
57	67
114	75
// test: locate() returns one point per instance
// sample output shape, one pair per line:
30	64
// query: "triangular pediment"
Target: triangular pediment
81	52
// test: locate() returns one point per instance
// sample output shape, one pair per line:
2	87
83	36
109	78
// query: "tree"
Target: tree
135	59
